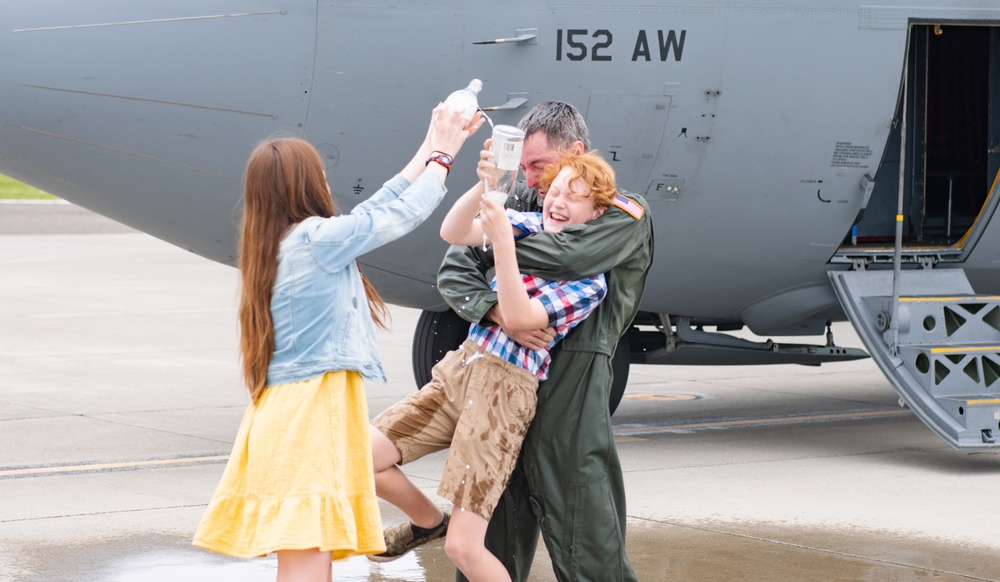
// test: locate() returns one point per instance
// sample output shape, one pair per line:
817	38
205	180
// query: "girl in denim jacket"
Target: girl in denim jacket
299	478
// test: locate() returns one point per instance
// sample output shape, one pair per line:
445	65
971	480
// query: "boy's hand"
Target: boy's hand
533	339
486	169
496	225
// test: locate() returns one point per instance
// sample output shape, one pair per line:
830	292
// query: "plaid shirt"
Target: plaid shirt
567	303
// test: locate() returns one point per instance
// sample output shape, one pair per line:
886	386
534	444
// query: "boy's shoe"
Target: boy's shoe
401	538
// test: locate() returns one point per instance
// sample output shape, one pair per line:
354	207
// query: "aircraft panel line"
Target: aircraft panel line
702	9
151	21
121	151
146	100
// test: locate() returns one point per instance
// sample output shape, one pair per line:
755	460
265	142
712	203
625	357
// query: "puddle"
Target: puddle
194	566
157	558
659	552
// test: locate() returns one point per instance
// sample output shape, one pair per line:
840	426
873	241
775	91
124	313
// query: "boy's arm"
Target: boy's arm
464	286
518	311
463	277
463	281
583	250
460	226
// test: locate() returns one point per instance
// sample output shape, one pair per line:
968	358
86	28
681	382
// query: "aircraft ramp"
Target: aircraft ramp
943	354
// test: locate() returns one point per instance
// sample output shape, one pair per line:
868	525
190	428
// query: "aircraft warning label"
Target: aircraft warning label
848	155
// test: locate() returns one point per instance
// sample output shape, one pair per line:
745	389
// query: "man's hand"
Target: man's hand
533	339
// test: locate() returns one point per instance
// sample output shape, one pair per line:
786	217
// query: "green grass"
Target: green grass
11	189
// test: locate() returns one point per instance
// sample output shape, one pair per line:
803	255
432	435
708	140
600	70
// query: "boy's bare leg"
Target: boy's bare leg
396	488
465	545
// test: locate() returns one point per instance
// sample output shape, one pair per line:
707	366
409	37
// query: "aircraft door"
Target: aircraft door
627	130
951	156
993	151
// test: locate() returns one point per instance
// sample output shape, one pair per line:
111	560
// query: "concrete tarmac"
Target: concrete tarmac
120	396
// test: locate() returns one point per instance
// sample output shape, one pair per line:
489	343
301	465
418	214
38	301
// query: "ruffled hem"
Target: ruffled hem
249	528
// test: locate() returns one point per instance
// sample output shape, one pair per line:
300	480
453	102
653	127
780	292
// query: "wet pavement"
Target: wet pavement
660	552
120	396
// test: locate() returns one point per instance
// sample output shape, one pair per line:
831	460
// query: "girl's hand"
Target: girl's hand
449	129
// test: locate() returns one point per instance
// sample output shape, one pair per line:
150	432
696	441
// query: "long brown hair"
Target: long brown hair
283	185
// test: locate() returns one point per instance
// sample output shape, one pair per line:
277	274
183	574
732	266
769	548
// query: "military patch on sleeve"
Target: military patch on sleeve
626	204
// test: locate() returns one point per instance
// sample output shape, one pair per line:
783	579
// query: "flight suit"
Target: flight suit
568	481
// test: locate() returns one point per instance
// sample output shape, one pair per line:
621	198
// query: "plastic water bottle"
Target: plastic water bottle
466	100
508	141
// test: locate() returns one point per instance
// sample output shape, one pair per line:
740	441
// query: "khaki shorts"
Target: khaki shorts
478	405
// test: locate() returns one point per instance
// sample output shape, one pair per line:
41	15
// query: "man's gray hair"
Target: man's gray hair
559	121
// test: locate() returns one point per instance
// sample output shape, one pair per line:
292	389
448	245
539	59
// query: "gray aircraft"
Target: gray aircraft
804	162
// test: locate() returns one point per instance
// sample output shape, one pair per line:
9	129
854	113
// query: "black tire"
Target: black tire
437	333
619	370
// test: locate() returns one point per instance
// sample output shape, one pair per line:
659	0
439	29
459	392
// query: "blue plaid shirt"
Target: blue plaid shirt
567	303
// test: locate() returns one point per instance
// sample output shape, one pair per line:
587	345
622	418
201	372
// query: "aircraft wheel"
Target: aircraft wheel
437	333
619	368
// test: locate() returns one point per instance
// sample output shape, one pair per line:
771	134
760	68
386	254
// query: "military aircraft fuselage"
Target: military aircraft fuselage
752	130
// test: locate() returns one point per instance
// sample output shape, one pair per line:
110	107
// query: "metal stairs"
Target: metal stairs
942	357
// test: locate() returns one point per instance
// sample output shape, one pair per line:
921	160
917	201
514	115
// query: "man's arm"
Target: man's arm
463	283
583	250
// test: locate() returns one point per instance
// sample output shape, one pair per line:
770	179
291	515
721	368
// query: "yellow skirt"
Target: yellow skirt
300	475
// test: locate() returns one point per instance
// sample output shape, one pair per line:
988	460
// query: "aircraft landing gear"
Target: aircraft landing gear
437	333
619	370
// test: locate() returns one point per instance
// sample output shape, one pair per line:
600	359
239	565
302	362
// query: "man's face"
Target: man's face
535	155
567	202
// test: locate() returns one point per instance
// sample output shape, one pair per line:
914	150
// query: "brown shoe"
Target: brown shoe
400	539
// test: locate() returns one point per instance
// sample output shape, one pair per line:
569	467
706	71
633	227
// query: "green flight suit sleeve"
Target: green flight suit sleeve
464	284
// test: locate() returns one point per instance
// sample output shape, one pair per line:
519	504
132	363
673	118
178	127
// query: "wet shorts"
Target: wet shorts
480	406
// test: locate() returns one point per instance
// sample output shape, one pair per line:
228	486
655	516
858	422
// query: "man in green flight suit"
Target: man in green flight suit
568	482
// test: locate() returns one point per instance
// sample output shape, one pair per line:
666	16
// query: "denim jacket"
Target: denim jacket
318	304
